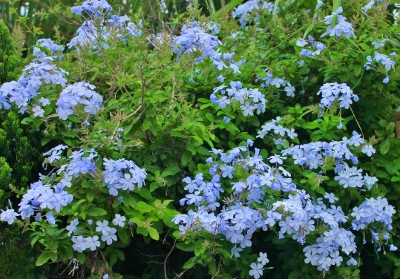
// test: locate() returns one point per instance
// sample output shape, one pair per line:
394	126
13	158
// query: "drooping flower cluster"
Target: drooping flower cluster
41	71
380	59
79	93
342	27
331	92
251	100
277	129
277	82
244	10
100	26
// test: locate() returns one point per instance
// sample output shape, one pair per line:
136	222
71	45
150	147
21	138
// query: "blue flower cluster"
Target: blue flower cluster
331	92
42	70
108	233
277	129
101	26
257	268
8	215
195	39
41	196
244	10
250	99
380	59
122	174
316	47
79	93
251	205
270	80
342	27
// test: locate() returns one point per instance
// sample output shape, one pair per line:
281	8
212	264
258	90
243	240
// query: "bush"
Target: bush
262	133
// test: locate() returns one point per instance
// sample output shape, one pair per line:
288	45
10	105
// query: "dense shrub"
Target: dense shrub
252	143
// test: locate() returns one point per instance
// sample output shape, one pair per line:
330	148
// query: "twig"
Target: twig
166	258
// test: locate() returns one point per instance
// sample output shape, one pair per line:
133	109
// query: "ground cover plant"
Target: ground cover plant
259	141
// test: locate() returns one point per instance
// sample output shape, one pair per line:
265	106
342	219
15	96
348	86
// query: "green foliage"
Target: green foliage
10	60
154	115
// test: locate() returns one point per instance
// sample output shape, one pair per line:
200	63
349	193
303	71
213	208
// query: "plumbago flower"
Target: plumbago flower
51	194
100	26
250	100
342	27
40	72
245	10
201	40
279	83
380	60
79	93
250	202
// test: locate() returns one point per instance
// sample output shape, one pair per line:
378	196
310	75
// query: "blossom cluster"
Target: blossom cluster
122	174
314	49
108	233
100	26
251	100
277	82
278	130
42	70
41	196
380	59
80	93
257	268
244	10
342	27
197	39
331	92
296	215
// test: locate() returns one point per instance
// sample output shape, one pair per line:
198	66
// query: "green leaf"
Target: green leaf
124	236
153	233
390	128
311	125
170	171
90	195
186	158
96	211
189	264
385	146
145	193
45	257
185	247
144	207
198	139
212	267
